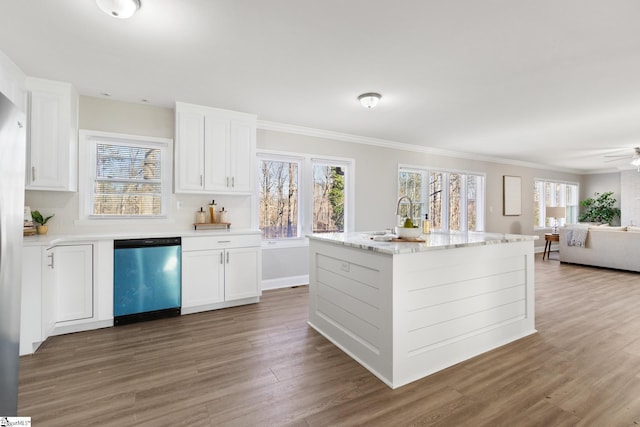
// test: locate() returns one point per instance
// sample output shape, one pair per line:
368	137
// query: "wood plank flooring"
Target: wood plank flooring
261	365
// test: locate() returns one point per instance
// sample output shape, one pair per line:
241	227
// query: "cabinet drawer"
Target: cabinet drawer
219	242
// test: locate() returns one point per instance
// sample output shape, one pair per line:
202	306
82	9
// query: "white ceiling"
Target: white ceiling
552	82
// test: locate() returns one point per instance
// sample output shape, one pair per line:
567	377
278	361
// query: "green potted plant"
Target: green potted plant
41	221
599	209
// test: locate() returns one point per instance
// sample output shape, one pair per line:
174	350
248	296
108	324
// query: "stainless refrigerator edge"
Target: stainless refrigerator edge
12	175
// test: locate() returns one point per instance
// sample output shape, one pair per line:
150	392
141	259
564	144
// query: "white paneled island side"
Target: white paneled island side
406	310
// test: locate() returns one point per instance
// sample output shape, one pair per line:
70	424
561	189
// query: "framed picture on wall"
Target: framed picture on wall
511	195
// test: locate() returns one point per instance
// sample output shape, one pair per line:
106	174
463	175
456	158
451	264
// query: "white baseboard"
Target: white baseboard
61	328
285	282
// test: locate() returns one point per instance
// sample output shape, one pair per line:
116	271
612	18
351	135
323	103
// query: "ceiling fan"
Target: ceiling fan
634	156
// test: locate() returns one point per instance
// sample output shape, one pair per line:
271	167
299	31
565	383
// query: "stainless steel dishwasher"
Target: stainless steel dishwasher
146	279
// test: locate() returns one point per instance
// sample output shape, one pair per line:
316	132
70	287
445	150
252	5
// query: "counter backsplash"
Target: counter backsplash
66	221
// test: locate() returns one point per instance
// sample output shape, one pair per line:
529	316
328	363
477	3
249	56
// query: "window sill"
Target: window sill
285	243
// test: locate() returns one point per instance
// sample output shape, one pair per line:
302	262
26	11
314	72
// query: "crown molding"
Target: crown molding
337	136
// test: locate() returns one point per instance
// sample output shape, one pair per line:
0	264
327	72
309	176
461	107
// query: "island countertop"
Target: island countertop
432	241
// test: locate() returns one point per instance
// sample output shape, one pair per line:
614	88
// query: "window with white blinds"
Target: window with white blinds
129	176
128	180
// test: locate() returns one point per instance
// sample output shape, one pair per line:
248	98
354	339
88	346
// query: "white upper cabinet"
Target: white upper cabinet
243	147
189	152
52	141
12	82
215	150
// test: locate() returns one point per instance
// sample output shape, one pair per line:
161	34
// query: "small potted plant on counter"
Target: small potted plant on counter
41	221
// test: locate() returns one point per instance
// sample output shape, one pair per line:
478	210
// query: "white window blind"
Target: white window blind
128	180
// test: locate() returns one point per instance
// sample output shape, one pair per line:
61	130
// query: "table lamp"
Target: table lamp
555	212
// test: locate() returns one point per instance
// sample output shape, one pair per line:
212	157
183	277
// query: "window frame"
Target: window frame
299	160
426	172
542	203
305	193
89	140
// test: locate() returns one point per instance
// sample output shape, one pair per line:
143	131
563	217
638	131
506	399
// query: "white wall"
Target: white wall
601	183
283	267
629	201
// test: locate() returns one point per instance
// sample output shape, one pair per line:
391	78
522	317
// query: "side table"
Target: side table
548	239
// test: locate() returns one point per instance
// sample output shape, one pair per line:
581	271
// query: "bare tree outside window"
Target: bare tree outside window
411	186
300	194
455	197
328	198
278	184
454	201
472	202
128	181
436	180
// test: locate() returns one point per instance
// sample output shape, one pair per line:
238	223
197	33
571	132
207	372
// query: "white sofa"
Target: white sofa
611	247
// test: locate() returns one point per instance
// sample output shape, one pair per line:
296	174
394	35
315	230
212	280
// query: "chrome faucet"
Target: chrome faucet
410	206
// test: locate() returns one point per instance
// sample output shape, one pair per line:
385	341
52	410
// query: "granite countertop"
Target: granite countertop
433	241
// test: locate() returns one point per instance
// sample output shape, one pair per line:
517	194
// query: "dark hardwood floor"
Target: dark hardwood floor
262	365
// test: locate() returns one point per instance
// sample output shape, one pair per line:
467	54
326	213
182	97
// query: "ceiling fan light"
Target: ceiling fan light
369	100
636	162
121	9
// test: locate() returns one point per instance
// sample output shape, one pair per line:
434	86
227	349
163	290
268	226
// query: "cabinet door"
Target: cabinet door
202	277
49	295
189	152
242	155
47	166
73	275
215	149
31	306
12	82
52	139
242	273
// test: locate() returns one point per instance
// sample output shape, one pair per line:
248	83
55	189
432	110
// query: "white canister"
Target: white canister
201	217
223	216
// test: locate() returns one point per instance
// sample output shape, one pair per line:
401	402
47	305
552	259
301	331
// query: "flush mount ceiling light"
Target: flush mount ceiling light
119	8
369	100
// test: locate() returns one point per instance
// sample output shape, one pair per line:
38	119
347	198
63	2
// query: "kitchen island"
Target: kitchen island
405	310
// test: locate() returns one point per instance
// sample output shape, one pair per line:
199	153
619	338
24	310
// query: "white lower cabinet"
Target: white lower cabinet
241	278
217	274
202	277
31	335
72	268
68	287
57	292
